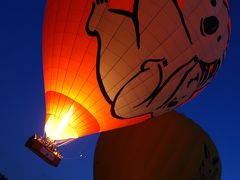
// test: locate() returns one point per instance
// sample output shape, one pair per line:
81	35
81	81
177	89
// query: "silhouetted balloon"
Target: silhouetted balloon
2	177
169	147
110	64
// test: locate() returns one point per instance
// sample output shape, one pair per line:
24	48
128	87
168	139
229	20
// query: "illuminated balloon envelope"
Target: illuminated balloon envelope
110	64
169	147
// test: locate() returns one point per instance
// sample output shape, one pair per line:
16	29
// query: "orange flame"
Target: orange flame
58	128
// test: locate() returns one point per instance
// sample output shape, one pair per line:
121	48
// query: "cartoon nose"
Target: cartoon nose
211	25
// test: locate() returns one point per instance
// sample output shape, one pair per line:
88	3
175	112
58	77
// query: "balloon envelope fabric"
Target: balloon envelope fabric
110	64
170	147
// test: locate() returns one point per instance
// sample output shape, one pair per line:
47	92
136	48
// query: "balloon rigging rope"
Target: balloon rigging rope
63	143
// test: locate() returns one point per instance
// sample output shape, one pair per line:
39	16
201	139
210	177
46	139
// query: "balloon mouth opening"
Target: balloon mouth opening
59	128
67	119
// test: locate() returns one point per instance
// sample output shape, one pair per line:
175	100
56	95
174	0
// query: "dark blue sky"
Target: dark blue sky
22	101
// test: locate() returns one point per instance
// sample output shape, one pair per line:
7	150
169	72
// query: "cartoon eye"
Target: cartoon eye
214	3
209	25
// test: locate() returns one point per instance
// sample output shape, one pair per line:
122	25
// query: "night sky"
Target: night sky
23	108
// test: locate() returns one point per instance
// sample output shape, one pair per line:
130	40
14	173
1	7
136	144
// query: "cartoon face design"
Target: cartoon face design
155	55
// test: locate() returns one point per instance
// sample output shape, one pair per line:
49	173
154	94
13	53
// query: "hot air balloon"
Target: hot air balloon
170	147
109	64
2	177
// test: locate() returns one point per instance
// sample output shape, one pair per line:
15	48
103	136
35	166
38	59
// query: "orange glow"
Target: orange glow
58	128
67	118
75	106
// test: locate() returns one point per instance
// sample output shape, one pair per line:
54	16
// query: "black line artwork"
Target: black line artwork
175	2
209	168
134	16
192	76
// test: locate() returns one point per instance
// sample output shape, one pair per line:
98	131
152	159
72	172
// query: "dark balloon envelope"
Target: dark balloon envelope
2	177
169	147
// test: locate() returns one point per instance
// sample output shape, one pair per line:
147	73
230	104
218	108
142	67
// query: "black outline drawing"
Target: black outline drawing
182	20
208	70
208	169
134	16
